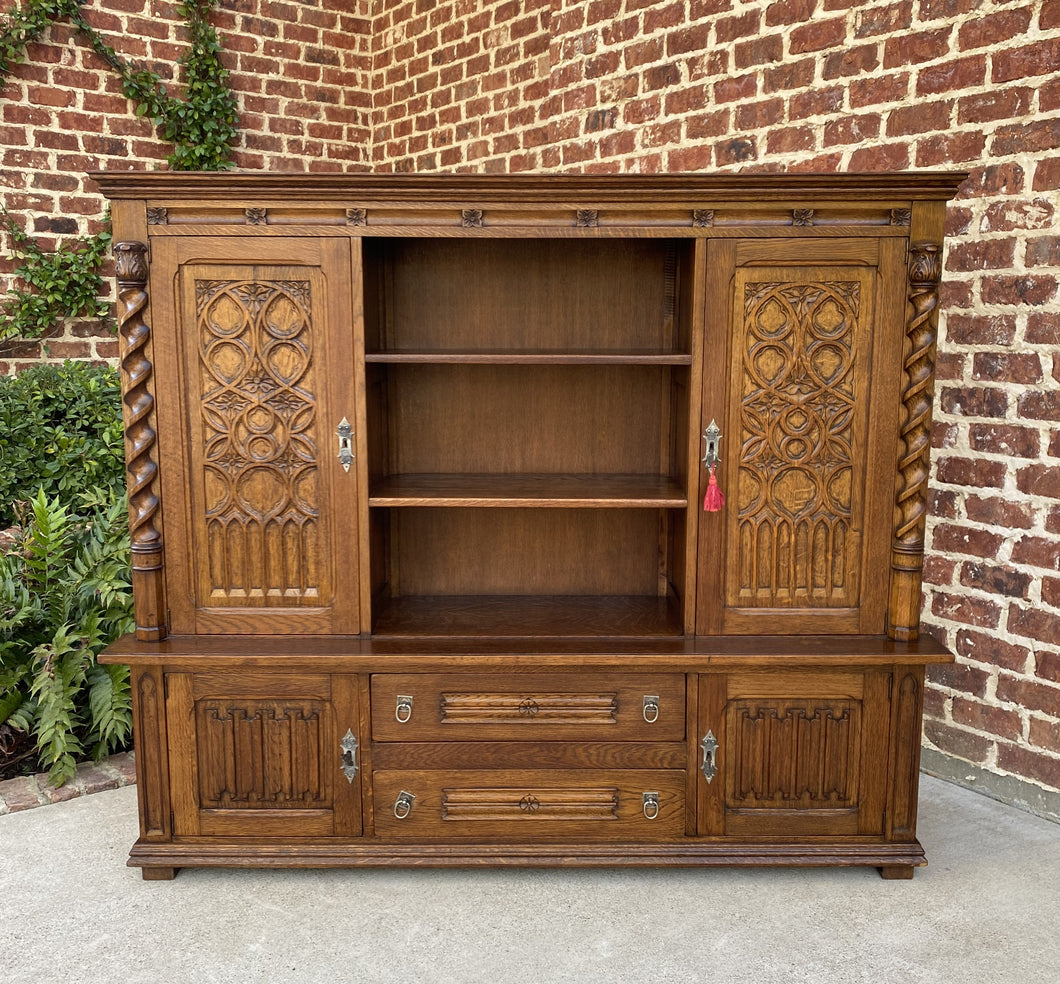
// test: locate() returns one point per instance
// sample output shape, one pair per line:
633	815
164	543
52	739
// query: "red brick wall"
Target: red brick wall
300	72
628	85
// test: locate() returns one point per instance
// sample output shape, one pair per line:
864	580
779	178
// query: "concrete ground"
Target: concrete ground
985	910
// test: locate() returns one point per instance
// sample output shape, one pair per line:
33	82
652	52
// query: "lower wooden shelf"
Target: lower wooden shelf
536	616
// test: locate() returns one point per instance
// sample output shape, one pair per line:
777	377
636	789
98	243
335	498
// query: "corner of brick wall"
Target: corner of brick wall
686	85
300	73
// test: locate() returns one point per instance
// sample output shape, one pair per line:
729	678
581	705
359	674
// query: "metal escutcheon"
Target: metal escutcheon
403	710
709	747
345	435
403	804
651	708
712	438
349	755
650	805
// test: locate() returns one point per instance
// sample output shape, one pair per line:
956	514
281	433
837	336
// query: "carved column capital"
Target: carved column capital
130	264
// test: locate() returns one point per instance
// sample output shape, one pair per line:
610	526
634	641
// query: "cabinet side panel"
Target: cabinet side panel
152	759
907	709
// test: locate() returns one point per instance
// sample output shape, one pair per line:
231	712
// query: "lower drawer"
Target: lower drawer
516	805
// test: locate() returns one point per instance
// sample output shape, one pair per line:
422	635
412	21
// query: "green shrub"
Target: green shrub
65	580
65	594
62	432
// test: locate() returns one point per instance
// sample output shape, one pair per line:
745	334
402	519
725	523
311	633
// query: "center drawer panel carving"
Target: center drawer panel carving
530	804
535	707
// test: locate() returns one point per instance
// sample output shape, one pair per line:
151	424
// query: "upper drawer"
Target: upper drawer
534	707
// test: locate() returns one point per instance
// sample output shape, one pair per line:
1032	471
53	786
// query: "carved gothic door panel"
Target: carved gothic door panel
256	383
264	755
799	364
793	754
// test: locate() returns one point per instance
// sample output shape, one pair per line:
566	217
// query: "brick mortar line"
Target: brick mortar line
29	792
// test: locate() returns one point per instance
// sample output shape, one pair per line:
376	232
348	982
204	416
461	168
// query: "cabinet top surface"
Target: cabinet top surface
588	189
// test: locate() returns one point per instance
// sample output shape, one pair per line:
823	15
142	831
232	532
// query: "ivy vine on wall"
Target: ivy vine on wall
202	126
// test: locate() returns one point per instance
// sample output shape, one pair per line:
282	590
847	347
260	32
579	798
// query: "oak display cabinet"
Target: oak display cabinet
527	520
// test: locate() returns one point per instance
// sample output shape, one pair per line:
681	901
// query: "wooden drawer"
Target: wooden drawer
530	707
531	804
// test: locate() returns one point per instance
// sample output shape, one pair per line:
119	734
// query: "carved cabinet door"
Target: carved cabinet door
802	370
793	753
262	755
255	381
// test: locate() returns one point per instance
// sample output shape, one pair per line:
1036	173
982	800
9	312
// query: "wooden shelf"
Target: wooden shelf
533	358
539	616
530	491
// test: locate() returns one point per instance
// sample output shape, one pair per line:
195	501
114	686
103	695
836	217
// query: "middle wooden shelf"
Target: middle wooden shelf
540	491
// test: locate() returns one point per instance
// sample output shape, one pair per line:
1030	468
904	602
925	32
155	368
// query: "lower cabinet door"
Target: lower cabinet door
525	805
795	754
263	755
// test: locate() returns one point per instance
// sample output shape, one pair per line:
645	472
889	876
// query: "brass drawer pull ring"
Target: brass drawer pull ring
403	804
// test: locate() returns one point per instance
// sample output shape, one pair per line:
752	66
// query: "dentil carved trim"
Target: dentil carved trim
140	438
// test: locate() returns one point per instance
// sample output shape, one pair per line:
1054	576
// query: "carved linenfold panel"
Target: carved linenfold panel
262	754
521	805
793	754
798	519
259	423
518	708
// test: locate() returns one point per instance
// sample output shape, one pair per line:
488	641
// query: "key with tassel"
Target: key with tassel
714	499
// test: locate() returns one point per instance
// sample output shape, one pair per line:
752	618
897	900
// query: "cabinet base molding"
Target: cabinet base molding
893	860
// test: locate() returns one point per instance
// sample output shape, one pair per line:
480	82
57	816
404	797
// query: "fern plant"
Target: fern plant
65	594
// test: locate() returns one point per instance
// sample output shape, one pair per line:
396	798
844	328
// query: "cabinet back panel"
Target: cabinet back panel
526	551
551	295
512	419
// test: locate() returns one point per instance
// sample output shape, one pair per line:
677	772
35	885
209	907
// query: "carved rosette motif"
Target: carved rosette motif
157	216
259	420
130	260
262	754
901	216
702	218
925	273
802	217
795	478
256	216
587	218
471	218
356	216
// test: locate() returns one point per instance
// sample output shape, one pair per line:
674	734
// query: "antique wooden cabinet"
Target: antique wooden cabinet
527	520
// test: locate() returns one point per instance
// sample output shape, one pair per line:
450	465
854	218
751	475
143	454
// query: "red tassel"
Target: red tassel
714	500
